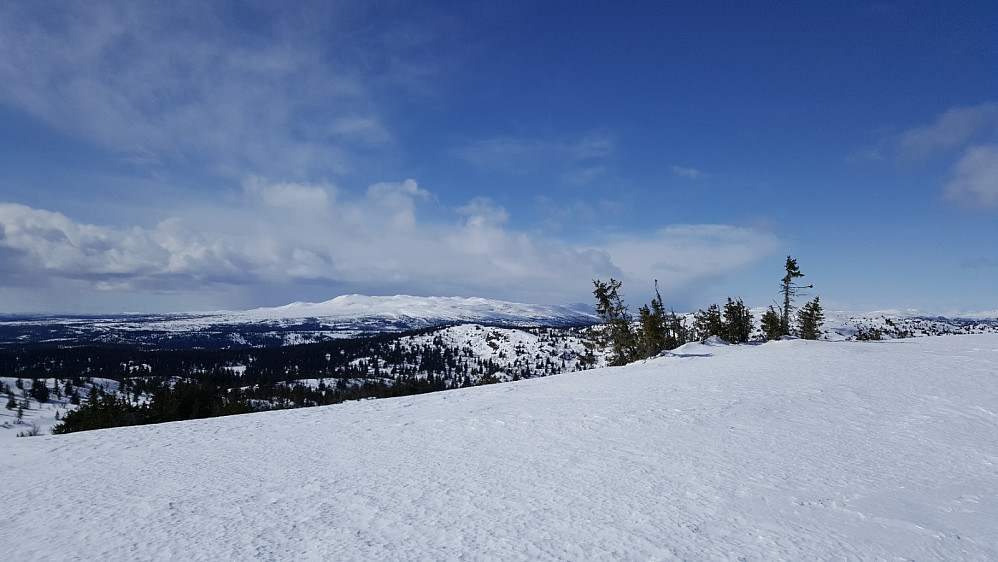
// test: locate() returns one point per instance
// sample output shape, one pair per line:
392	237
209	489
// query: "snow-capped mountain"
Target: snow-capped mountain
301	322
418	312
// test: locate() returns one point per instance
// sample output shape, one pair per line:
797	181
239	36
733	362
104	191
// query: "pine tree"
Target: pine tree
810	319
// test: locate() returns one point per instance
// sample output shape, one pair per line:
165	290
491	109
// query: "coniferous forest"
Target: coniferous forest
124	385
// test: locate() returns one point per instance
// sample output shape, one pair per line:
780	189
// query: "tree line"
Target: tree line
656	329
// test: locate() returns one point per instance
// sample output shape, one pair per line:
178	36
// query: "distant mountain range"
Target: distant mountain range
301	322
358	315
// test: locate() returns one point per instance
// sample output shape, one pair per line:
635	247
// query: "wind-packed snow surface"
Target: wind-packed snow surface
786	450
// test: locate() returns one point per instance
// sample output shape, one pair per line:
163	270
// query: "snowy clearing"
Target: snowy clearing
785	450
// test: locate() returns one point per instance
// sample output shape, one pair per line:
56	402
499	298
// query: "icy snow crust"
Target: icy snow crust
786	450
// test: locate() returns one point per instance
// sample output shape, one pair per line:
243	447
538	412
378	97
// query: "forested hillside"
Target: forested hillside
104	386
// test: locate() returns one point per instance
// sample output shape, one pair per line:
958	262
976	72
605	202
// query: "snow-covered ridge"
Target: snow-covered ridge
402	307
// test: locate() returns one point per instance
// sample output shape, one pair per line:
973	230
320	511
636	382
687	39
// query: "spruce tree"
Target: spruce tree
617	333
772	327
39	390
677	333
810	319
707	323
737	321
654	334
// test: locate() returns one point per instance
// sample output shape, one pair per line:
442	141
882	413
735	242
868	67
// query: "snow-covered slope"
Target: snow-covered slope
789	450
35	417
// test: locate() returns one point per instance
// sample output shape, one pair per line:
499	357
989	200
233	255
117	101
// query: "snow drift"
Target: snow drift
784	450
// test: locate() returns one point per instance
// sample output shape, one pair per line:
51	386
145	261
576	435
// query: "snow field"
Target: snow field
785	450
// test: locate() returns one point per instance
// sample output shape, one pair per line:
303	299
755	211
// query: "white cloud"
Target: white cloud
366	130
297	197
975	180
680	256
691	173
525	154
482	211
584	176
955	128
971	132
50	243
378	243
397	201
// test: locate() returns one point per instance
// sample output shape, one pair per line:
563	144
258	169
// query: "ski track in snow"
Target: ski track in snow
787	450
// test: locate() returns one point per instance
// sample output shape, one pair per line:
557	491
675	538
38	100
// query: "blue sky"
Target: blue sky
188	155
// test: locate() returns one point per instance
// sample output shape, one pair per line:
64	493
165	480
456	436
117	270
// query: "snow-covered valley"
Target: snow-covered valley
784	450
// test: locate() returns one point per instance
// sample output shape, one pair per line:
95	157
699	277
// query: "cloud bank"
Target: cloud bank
283	234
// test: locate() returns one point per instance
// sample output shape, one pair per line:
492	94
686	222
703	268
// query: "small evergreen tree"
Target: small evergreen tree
772	326
677	332
654	334
868	334
616	333
810	319
708	323
737	321
39	390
